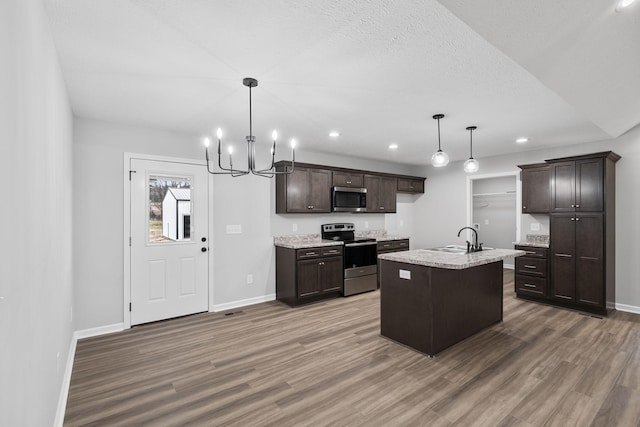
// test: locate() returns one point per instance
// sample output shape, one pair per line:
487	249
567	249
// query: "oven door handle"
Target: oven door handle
353	245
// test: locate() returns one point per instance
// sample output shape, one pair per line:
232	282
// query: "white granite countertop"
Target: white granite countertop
535	240
301	241
429	258
391	237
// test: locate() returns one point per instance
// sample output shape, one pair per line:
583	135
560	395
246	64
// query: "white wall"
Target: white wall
36	217
248	201
442	209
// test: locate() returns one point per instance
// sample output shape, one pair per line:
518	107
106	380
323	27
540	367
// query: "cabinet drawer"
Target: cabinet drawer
393	245
332	251
533	252
531	285
531	266
324	251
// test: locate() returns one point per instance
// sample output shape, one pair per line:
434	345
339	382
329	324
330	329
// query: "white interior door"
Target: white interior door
169	240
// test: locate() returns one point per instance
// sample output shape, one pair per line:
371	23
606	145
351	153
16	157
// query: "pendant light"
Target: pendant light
440	158
471	165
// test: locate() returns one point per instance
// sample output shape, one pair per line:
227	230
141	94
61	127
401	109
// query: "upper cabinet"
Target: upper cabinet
381	193
308	188
578	186
535	188
347	179
410	185
304	190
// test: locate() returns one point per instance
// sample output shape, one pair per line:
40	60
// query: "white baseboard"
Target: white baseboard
628	308
66	382
100	330
243	302
508	266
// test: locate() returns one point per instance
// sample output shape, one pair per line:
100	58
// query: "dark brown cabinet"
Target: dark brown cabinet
347	179
308	188
578	258
388	246
582	231
410	185
535	188
577	186
531	275
304	190
381	193
308	275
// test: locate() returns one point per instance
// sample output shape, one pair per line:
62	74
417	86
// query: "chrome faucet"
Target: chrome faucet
475	247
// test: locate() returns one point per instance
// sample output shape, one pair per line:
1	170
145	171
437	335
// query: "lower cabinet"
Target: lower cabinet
532	271
309	274
387	246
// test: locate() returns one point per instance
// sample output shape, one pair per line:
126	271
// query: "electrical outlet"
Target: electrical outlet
249	279
234	229
405	274
294	227
535	226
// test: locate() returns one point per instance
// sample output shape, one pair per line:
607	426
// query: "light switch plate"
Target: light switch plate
234	229
535	226
405	274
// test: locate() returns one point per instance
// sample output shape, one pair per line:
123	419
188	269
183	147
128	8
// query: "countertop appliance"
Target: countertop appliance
359	260
347	199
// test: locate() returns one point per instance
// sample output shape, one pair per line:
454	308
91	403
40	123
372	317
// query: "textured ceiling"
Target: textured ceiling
374	70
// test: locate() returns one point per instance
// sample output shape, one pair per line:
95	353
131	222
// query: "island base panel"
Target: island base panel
438	307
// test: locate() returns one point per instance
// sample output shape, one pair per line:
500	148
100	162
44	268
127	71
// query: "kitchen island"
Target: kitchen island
431	300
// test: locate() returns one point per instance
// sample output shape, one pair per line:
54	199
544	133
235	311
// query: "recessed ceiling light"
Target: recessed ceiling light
623	3
522	140
393	146
334	134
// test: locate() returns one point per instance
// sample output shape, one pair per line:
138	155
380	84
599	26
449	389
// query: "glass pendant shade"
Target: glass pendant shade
471	165
440	159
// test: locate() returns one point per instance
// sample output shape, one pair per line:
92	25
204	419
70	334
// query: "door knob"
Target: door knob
204	249
204	239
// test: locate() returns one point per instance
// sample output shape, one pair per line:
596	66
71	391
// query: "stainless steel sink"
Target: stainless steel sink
454	249
451	249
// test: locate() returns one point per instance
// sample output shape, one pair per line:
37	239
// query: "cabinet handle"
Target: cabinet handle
577	219
573	206
530	252
382	207
310	253
524	207
530	266
577	206
573	219
332	252
348	182
527	285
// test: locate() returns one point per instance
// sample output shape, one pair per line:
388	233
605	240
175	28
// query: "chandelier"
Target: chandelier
269	172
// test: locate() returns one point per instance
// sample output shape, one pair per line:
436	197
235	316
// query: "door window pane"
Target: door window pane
170	209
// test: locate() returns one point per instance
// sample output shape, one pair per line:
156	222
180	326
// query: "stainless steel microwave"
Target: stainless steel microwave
347	199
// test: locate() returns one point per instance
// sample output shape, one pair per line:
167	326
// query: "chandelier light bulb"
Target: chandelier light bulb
207	142
274	135
293	143
230	150
219	133
622	4
440	159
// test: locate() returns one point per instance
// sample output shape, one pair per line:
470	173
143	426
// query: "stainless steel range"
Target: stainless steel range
360	258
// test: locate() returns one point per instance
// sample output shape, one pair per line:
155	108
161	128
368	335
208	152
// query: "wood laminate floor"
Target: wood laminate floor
326	364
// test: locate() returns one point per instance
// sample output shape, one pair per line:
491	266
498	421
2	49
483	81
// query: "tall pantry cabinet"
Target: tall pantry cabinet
582	231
